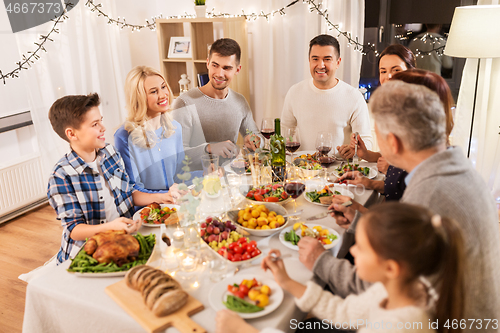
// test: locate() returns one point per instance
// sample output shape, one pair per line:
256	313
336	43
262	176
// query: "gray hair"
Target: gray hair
412	112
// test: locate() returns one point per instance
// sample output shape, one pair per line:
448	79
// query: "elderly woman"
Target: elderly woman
394	185
149	141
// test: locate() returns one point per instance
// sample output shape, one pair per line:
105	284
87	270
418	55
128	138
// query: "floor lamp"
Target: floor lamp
474	33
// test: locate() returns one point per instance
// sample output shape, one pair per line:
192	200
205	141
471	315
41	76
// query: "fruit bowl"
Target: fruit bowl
272	207
226	242
303	167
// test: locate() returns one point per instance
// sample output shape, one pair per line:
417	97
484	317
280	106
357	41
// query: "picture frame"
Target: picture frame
180	47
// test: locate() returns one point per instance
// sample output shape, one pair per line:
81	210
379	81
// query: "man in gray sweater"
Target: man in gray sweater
410	128
211	116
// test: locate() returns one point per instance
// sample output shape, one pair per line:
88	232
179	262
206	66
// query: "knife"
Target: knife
325	214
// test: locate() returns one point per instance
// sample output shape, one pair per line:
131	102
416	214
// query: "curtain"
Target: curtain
87	56
485	146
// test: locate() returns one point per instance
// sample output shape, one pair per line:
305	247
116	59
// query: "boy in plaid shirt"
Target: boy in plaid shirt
89	188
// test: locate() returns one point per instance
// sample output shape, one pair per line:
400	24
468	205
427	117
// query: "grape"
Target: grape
209	219
212	238
203	225
224	235
202	232
216	231
210	229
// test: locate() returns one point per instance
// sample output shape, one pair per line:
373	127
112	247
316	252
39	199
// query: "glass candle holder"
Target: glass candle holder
187	260
178	239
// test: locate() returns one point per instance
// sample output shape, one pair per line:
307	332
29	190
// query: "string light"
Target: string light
27	61
427	39
121	23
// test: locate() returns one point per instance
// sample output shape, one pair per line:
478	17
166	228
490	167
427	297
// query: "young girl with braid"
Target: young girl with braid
398	247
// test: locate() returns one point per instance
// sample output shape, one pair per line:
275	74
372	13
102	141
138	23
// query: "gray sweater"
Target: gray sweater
208	120
447	184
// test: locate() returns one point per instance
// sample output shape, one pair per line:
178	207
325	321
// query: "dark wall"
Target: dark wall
422	11
372	9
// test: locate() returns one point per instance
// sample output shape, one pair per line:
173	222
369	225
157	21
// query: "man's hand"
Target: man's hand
354	178
362	150
382	165
345	151
344	215
252	141
166	198
225	149
309	251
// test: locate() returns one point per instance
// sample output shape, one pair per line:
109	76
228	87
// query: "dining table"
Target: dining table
59	301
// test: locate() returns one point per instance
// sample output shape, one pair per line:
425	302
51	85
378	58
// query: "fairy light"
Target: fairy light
28	60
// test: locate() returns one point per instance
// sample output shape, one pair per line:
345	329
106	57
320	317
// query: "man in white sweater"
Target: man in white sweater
212	116
325	103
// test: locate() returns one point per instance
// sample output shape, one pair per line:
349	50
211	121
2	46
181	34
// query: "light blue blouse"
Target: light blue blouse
155	169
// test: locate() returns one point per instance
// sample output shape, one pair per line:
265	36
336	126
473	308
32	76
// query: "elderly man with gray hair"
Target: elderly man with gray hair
410	128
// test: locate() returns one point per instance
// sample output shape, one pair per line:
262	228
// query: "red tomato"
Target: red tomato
255	253
255	282
232	245
222	251
264	191
242	240
230	256
253	242
244	289
284	196
250	194
246	256
237	257
258	197
276	186
248	248
239	294
271	199
232	289
238	249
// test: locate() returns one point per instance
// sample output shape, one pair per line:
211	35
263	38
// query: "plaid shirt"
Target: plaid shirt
76	193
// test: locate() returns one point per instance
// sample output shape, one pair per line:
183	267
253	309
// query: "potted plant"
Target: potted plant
200	8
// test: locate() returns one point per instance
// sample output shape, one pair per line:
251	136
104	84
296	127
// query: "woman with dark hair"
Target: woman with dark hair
394	184
394	59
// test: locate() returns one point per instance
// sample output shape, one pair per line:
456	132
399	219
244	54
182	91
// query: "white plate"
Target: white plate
340	188
113	274
137	215
373	172
310	225
218	294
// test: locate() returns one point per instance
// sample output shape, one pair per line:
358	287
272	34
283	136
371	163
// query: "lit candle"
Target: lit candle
178	237
188	264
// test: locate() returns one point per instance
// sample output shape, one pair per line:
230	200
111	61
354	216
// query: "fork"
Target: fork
355	158
274	259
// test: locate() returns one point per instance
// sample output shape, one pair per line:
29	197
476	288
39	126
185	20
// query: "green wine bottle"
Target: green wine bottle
278	155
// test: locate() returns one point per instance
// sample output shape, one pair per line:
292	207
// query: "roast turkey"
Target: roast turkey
113	246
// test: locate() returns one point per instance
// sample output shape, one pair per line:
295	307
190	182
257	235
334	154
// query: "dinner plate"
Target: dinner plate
219	293
373	173
137	215
227	168
112	274
244	189
310	225
340	188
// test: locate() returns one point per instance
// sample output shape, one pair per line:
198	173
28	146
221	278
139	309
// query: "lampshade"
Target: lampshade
474	32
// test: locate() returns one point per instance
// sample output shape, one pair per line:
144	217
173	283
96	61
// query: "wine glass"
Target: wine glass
324	143
292	139
267	129
294	187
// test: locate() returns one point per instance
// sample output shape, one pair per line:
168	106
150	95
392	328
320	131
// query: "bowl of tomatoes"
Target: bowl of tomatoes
265	193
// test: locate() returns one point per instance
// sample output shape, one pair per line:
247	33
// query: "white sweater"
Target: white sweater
360	312
340	110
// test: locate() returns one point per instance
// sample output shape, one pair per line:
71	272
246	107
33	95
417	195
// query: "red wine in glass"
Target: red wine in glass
324	150
267	132
239	167
294	189
326	161
292	146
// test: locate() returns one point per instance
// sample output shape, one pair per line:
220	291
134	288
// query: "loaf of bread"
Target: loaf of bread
161	293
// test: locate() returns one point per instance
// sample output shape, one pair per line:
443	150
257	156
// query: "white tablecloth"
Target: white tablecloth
57	301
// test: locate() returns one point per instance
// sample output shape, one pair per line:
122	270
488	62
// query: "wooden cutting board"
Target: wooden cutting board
131	301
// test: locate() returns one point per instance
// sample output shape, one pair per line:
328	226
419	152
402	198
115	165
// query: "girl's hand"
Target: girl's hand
277	267
166	198
229	322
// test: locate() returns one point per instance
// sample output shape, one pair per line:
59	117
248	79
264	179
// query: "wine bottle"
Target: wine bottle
278	155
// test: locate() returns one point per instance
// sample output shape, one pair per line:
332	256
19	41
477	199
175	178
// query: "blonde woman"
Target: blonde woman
149	141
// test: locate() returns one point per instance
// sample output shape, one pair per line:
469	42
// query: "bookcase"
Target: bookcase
202	32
